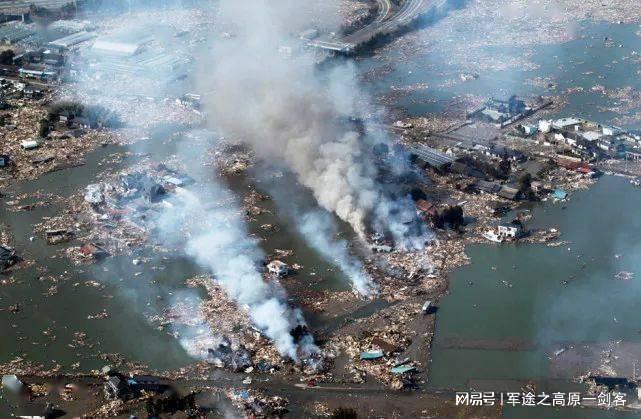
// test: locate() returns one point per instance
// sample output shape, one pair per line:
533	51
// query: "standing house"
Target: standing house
81	122
500	152
31	92
501	112
527	129
512	230
278	268
566	123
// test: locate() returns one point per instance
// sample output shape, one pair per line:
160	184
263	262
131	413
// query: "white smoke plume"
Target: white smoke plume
318	228
218	241
217	237
292	113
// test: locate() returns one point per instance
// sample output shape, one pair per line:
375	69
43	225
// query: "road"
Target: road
387	21
23	5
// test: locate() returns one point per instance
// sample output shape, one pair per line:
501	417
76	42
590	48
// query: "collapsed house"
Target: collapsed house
121	387
224	355
510	193
93	251
142	185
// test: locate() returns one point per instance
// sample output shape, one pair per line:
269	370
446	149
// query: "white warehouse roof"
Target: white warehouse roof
120	48
566	122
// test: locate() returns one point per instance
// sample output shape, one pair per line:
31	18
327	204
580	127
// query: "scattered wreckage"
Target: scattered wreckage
8	257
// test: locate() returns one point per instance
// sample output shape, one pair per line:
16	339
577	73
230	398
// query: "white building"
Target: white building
545	126
566	123
511	231
278	268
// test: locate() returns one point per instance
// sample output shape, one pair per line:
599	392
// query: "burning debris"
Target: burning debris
224	356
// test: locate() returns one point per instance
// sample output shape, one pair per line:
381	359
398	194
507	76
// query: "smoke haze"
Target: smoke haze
294	114
218	241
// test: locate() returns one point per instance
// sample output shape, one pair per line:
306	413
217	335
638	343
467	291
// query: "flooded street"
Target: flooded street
515	305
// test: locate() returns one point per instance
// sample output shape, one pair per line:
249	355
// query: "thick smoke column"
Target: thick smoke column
218	240
293	114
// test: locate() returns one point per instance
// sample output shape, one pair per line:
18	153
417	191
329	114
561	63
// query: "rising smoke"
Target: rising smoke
218	241
294	114
318	228
215	236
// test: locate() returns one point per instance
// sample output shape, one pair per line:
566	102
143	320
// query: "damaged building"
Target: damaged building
501	112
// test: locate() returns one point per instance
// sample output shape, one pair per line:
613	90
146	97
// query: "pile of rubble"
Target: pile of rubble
378	346
227	338
31	155
114	216
257	404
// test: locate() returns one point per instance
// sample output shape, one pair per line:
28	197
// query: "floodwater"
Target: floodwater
511	308
65	313
514	306
130	293
488	334
585	62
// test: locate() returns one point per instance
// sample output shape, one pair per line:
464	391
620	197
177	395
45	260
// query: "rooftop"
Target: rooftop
566	122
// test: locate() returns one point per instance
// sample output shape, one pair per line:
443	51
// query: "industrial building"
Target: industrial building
430	156
71	40
11	33
501	112
122	44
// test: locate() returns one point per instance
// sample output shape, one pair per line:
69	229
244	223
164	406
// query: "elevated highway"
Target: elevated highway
21	6
389	19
